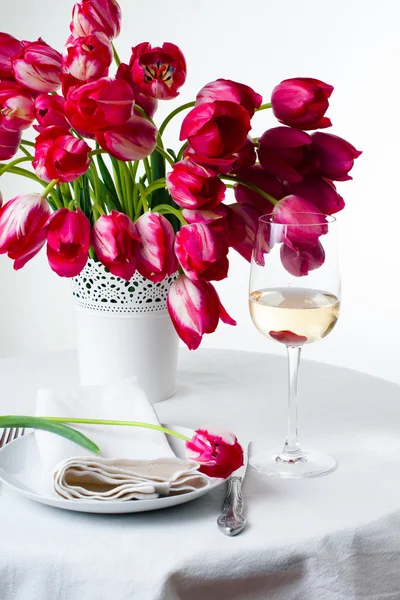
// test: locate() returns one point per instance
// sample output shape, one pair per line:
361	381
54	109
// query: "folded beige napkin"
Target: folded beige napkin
135	463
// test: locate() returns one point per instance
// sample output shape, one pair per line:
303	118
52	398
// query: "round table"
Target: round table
330	538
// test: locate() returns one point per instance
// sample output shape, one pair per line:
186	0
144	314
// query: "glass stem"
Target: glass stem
291	450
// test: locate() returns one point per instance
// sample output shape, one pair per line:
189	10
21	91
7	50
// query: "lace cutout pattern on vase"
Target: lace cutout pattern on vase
97	289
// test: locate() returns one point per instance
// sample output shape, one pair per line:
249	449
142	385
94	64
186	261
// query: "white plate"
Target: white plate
20	470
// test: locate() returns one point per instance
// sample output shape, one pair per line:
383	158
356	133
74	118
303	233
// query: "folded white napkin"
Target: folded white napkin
135	462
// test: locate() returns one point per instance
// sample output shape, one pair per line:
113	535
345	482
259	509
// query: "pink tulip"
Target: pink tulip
115	242
257	176
288	337
147	103
243	228
60	155
286	153
155	253
23	227
9	143
38	67
300	261
335	157
88	58
9	48
303	222
320	192
245	157
101	104
302	102
68	242
224	89
91	16
17	110
218	452
201	253
192	186
158	72
217	218
49	110
215	130
134	140
195	309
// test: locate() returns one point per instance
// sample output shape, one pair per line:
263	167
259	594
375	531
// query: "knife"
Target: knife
231	521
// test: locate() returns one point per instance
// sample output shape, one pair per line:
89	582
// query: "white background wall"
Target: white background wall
352	44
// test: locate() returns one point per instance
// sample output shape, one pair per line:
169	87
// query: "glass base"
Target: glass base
310	464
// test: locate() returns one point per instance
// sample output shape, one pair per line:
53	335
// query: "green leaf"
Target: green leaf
108	182
57	428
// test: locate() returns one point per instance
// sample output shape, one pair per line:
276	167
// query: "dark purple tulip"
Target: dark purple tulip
286	153
334	156
320	192
302	102
260	178
301	261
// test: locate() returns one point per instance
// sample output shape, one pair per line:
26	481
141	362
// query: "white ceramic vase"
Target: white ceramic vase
123	329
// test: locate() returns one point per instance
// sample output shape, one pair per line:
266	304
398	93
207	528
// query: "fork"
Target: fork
10	434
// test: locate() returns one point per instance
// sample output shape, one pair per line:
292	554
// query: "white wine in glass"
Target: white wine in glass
294	299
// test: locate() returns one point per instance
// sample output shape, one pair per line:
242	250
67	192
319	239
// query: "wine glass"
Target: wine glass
294	299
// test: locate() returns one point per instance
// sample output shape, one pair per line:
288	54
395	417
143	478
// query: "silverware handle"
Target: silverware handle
231	522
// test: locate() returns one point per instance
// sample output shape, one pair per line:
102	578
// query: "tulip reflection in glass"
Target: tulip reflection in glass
294	299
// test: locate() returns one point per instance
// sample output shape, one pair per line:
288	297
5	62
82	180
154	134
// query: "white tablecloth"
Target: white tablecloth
332	538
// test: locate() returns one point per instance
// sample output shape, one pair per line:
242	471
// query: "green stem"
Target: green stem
117	423
173	114
181	151
165	155
143	197
166	208
116	57
118	188
26	152
48	189
126	176
13	163
97	151
156	185
264	106
147	168
250	186
27	143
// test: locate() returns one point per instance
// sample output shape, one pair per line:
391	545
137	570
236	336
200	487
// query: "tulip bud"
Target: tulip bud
224	89
302	102
88	58
195	309
193	186
134	140
68	242
115	242
38	67
302	223
201	253
49	110
320	192
23	227
9	48
91	16
286	153
158	72
17	110
300	261
155	253
218	452
60	155
335	157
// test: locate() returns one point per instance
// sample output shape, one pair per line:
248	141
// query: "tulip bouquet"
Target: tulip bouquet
112	191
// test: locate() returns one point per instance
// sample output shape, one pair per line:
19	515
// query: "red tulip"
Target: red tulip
88	58
9	143
302	222
218	452
68	242
217	218
195	309
147	103
158	72
268	183
288	337
60	155
99	105
215	130
192	186
23	227
286	153
245	157
115	242
320	192
300	261
224	89
243	228
49	110
38	67
201	253
134	140
335	157
91	16
155	253
9	48
17	110
302	102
